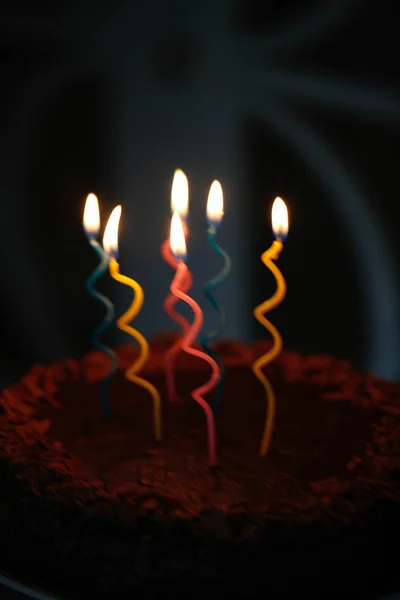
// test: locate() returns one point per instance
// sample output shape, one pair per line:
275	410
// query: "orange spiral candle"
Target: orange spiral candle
110	243
280	226
178	247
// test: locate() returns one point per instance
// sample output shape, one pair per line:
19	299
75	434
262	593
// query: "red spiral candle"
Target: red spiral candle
178	246
169	304
179	204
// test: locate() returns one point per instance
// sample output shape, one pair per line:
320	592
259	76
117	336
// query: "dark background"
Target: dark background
297	98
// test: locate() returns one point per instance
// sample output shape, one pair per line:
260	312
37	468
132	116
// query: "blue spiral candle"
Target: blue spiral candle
214	214
91	224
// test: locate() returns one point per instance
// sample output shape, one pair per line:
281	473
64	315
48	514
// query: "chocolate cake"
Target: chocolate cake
96	508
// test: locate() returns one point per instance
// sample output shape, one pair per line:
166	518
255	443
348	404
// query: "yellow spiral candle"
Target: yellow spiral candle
280	226
110	243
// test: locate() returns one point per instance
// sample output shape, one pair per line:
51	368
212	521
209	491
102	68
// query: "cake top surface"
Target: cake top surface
336	442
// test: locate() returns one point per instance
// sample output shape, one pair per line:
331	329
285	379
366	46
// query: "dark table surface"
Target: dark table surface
9	594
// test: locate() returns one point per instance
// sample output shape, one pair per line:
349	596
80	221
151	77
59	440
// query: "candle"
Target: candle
110	243
280	226
178	247
91	225
179	204
215	212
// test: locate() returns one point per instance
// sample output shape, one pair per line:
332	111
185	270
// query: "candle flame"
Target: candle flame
215	204
280	219
180	194
177	237
91	216
110	237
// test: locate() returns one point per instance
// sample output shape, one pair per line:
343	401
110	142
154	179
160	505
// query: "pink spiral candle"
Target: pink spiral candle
185	344
169	303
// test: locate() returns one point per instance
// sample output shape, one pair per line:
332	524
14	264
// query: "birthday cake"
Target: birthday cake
96	508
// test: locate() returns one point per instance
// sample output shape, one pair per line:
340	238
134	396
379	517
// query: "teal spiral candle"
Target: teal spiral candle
214	215
91	223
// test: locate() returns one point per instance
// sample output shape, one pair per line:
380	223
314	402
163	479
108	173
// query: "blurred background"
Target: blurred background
298	98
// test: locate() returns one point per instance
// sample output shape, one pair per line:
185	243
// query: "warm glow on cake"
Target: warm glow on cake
110	238
180	194
280	219
177	237
91	216
215	203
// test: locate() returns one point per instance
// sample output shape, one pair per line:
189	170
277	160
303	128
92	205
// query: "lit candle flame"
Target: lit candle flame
110	238
215	204
91	216
280	219
177	237
180	194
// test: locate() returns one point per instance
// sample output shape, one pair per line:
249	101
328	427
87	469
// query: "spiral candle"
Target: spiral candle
214	214
91	223
169	303
280	227
179	204
110	243
179	248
